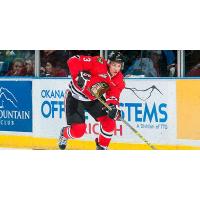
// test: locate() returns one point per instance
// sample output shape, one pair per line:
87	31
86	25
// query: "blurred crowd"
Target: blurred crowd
54	62
150	63
138	63
17	63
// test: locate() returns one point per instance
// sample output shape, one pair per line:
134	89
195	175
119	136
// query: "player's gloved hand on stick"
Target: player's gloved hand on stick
115	113
82	79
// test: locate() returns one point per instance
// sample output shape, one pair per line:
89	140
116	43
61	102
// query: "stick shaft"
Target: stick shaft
127	124
138	134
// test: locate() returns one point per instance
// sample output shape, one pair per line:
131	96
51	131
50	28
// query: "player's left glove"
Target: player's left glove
115	113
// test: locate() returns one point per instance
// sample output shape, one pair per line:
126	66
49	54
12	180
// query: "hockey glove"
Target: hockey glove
115	113
82	79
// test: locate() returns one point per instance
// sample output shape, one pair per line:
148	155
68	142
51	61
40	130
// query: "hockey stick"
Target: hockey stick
125	122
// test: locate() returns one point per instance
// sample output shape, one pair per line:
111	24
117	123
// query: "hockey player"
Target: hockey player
87	72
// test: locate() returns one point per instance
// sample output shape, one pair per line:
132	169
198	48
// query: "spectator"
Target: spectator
52	59
195	71
155	57
50	71
29	67
171	63
18	68
142	67
191	61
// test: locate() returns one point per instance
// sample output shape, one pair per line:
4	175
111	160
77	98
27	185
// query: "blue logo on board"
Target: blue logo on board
16	106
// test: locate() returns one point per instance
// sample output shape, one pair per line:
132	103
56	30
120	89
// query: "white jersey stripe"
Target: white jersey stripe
76	93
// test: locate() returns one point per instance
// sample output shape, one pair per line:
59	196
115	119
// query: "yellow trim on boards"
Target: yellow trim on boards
29	142
188	107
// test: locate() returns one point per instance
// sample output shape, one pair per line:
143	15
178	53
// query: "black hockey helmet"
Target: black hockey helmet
116	56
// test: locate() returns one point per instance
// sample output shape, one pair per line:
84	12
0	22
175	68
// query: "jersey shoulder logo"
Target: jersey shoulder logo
100	60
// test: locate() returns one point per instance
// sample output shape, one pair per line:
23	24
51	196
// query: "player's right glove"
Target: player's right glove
115	113
82	79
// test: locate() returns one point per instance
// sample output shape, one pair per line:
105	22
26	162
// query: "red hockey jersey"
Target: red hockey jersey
98	69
